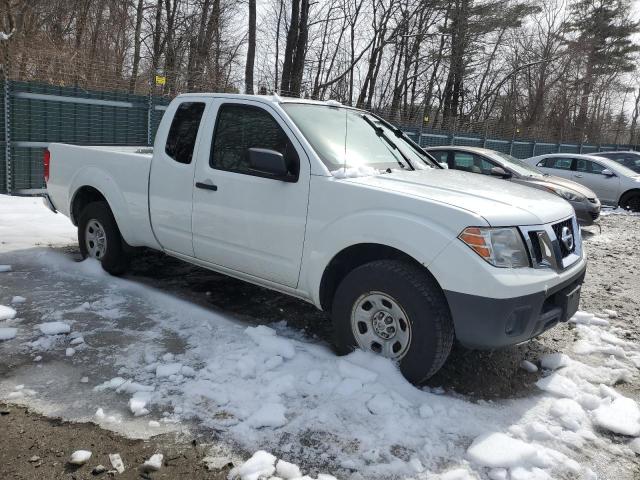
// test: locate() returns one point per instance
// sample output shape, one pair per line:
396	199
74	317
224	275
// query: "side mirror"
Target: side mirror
608	173
500	172
268	162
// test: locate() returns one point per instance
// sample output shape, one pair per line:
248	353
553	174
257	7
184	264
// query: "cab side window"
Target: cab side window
241	127
561	163
588	166
183	131
470	162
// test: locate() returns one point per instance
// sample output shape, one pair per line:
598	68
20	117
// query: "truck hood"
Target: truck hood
499	202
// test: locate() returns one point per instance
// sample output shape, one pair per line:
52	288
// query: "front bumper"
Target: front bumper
586	212
487	323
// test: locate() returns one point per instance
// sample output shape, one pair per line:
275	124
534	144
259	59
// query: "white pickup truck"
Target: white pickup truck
334	206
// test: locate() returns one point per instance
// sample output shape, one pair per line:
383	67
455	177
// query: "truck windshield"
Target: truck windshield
345	137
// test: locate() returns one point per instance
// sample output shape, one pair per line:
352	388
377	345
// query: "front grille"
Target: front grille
557	229
595	215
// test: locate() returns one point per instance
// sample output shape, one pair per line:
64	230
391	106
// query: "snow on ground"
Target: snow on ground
270	389
37	224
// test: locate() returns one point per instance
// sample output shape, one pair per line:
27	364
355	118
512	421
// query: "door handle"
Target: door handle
578	176
207	186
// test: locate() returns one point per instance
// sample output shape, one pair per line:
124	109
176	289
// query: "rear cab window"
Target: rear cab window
183	132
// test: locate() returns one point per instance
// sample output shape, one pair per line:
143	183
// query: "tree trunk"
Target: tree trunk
137	42
289	51
251	49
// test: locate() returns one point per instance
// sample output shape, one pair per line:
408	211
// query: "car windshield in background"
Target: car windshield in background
619	168
520	167
345	137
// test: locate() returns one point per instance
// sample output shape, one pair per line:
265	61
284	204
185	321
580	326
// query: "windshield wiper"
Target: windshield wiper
400	134
380	132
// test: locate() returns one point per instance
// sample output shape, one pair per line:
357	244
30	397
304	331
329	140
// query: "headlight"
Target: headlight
501	247
567	194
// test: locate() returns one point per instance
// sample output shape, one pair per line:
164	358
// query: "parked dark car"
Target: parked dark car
489	162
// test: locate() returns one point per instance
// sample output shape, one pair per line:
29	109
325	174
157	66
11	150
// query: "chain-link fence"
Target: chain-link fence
46	99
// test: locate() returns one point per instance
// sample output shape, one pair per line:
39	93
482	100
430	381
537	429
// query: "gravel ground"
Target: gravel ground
612	282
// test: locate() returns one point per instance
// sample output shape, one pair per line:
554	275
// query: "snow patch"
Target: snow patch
54	328
7	333
6	313
354	172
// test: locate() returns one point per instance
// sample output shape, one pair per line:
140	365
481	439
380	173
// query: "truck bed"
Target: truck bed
119	173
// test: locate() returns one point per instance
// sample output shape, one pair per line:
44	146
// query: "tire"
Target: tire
631	202
96	222
412	293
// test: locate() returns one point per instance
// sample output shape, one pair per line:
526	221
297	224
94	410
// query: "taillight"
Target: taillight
46	162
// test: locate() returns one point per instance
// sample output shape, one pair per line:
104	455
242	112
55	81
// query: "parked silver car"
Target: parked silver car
629	159
489	162
615	184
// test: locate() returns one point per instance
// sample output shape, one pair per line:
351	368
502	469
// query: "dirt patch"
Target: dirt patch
35	447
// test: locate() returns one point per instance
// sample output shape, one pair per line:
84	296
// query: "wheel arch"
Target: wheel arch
353	257
627	194
82	197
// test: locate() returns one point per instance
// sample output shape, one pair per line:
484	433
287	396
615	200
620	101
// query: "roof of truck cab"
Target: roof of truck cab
275	99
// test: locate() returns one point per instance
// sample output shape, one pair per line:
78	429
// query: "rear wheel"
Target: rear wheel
100	238
397	310
631	202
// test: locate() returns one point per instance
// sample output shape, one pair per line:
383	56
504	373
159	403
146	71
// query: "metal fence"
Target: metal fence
34	114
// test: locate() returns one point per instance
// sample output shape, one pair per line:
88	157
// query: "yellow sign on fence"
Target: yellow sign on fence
161	79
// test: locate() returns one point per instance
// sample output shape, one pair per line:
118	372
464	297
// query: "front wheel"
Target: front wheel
100	238
631	202
397	310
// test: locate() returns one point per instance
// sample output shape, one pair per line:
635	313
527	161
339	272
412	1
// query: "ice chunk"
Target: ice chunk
84	380
497	450
528	366
99	414
261	464
611	313
54	328
70	352
621	416
6	313
268	341
269	415
521	473
187	371
18	299
5	268
137	405
80	457
7	333
380	404
154	424
168	369
153	464
116	462
458	474
586	318
634	445
569	413
77	341
554	361
558	385
286	470
498	474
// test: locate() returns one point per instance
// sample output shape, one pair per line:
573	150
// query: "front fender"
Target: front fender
414	235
